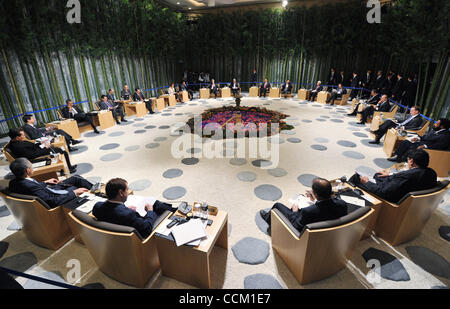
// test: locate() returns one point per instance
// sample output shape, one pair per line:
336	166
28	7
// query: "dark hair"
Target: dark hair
420	157
114	186
417	108
19	167
110	90
445	123
375	91
322	188
13	133
104	96
68	100
136	89
27	117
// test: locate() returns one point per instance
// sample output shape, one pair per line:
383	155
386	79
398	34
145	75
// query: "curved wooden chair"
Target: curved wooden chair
343	100
324	247
403	221
119	251
46	227
439	161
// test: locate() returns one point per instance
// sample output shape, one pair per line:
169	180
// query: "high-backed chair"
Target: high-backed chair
46	227
119	251
403	221
324	247
343	100
439	161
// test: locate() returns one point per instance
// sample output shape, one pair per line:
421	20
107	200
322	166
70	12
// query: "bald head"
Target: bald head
321	189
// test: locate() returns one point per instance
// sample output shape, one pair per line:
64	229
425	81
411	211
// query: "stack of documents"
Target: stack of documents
353	200
301	201
190	233
139	202
363	174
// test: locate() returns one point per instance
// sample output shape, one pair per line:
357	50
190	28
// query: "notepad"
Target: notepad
189	232
139	202
353	200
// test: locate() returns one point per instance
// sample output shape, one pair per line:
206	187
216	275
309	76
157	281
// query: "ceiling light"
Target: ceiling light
285	3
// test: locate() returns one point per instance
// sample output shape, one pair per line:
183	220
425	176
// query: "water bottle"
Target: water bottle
205	210
197	209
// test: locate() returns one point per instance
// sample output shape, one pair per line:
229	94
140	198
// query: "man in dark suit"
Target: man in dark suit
331	81
254	78
184	87
74	112
52	191
382	106
399	88
265	88
315	91
412	122
379	82
437	138
139	97
394	187
21	148
325	207
125	93
213	88
354	84
367	80
286	88
235	87
410	92
35	133
373	99
116	109
388	85
114	210
336	94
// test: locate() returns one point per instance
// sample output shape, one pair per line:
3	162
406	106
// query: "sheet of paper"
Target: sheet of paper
139	202
353	200
362	174
162	228
38	164
301	201
368	198
188	232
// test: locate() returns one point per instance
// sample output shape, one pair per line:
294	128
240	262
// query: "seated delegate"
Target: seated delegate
315	91
286	88
336	94
74	112
437	138
115	108
373	100
382	106
20	147
413	121
325	207
115	211
393	187
52	191
265	88
139	97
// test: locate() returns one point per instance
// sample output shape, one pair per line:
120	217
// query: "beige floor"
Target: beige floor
215	181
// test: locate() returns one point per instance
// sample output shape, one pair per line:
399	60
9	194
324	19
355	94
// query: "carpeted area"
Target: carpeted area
240	186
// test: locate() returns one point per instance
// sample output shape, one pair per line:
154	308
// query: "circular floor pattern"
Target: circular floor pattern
238	161
306	179
276	140
140	185
172	173
277	172
137	125
150	127
365	170
164	127
353	155
360	134
365	142
126	123
94	179
261	282
321	119
246	176
268	192
190	161
160	139
116	134
109	146
80	149
84	168
261	163
111	157
288	132
174	193
251	251
319	147
306	120
140	131
294	140
383	163
132	148
337	120
138	119
346	144
93	134
152	145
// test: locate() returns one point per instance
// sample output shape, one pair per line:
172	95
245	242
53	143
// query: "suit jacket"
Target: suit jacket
125	94
27	150
318	89
39	189
384	107
394	187
367	80
287	87
66	114
231	85
414	123
410	90
111	98
104	106
122	215
136	97
355	82
332	78
33	132
437	140
399	88
379	82
254	77
330	209
340	79
213	88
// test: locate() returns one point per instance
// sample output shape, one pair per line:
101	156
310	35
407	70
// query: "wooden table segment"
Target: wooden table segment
303	94
70	126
